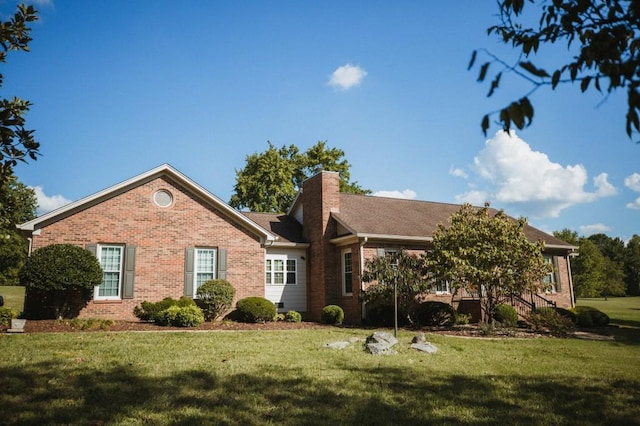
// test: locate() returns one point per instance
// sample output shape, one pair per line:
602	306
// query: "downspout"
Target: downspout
573	298
362	244
30	239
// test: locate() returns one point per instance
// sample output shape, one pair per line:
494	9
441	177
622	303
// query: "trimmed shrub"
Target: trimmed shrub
215	297
293	316
551	320
181	316
256	309
332	314
587	316
149	311
432	313
7	314
59	281
506	315
382	315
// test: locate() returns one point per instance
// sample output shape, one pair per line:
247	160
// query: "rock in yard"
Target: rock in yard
424	347
336	345
381	343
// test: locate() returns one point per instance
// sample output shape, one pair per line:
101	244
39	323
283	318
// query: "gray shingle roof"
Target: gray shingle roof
285	227
368	215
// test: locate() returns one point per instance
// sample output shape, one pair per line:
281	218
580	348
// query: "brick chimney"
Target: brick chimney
320	197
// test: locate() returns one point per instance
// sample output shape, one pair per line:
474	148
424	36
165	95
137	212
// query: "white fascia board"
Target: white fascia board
382	237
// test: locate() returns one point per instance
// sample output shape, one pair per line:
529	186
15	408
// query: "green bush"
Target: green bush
181	316
432	313
7	314
587	316
255	309
293	316
332	314
215	297
59	281
506	315
551	320
148	311
382	315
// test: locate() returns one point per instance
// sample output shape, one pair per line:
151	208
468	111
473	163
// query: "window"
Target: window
205	266
110	257
549	280
347	273
279	270
442	287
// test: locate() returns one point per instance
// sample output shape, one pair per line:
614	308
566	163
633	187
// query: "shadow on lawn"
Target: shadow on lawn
58	394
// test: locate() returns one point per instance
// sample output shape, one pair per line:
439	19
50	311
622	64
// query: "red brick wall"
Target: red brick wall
161	236
321	195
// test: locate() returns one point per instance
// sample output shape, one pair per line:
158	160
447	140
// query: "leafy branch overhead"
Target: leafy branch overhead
16	142
605	36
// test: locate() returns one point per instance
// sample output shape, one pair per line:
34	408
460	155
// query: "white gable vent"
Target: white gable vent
163	198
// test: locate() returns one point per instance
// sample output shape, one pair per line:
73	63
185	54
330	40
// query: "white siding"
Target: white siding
293	297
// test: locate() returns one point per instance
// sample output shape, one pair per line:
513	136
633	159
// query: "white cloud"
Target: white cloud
633	182
407	194
528	180
48	203
347	76
596	228
457	172
634	205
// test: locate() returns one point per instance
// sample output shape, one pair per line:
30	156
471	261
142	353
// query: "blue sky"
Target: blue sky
119	87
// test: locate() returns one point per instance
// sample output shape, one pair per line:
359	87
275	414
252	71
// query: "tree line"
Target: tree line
605	266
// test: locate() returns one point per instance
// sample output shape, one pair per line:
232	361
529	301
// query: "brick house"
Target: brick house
161	234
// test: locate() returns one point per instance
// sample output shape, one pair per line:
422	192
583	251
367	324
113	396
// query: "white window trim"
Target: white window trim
285	259
441	292
195	266
553	285
344	272
96	289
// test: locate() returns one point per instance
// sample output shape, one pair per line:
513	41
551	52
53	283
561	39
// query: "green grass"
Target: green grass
287	377
13	296
624	311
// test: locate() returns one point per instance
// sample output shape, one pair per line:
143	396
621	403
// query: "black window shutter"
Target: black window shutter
222	264
129	272
93	248
189	258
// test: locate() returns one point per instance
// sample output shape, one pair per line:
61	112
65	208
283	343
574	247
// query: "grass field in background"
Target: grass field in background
287	377
13	296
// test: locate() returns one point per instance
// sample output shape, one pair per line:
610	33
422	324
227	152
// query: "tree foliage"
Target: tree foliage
632	265
488	253
405	270
16	142
62	274
604	34
270	180
17	205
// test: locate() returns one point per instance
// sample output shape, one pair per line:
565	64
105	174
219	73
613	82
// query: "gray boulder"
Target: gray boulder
424	347
381	343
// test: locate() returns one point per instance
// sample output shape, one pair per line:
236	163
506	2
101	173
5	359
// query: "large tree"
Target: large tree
486	252
603	52
589	270
632	265
17	205
270	180
16	142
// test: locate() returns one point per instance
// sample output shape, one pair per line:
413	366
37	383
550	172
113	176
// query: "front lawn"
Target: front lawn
13	296
287	377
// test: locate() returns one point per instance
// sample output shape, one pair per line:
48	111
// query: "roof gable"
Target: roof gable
165	171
